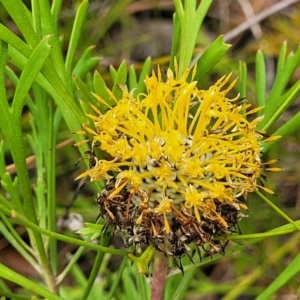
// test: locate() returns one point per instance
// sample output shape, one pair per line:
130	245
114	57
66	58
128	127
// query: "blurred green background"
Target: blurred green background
134	30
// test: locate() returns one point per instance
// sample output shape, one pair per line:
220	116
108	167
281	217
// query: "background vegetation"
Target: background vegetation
40	253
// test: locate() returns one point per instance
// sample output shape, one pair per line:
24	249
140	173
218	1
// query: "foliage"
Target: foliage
46	82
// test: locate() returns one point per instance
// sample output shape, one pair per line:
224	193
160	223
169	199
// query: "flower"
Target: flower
182	161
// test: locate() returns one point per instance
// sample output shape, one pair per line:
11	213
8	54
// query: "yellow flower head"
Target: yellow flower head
181	161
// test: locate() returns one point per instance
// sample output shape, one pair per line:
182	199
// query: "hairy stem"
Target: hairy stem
159	279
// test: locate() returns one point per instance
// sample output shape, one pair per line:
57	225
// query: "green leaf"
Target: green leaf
131	291
132	78
284	74
3	98
36	17
55	10
71	263
19	13
190	21
52	84
15	243
282	103
175	39
101	90
2	159
139	85
282	56
145	71
95	269
15	79
84	91
34	287
210	57
120	79
242	79
10	125
113	73
184	284
5	203
260	80
79	277
75	35
288	128
86	63
143	288
85	94
31	69
10	187
91	230
275	104
290	271
13	40
117	281
56	56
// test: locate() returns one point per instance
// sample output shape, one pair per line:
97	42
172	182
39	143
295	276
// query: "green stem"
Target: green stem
15	243
96	266
282	230
26	223
118	279
279	211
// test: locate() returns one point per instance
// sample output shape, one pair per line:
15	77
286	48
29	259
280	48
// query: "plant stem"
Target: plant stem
159	279
26	223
